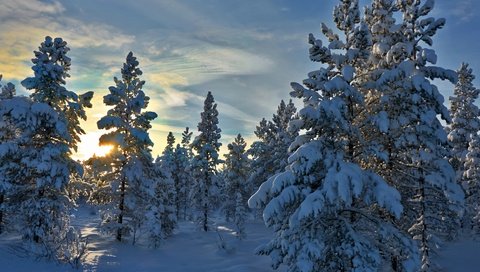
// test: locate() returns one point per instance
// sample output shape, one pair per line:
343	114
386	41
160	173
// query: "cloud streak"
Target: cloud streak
464	10
25	23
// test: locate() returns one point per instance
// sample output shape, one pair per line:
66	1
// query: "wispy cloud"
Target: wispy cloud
464	10
457	12
27	8
25	23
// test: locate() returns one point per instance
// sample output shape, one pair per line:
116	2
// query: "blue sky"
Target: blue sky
245	52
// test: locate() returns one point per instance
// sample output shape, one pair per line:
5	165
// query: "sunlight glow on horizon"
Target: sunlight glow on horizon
89	146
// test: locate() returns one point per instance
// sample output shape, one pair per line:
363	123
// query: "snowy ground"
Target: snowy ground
188	250
461	256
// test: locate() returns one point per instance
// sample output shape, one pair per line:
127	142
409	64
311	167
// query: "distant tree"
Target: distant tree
236	189
183	157
98	173
169	164
133	179
186	138
166	192
270	153
7	132
7	91
170	144
465	116
261	153
205	162
160	219
471	176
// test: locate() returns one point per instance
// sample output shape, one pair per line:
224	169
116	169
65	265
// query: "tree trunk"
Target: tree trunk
394	261
36	238
205	203
177	196
121	207
185	206
424	243
1	212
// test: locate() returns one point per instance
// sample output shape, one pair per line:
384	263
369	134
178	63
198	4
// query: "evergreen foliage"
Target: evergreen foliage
205	161
236	189
135	181
270	153
324	204
465	116
471	176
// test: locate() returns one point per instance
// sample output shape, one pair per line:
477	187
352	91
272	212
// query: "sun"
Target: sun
101	150
89	146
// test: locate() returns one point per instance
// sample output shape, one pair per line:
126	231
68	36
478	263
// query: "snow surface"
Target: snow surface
461	256
189	249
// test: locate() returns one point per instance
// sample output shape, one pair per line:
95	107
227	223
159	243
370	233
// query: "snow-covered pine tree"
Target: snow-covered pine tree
134	180
204	163
236	173
324	206
51	67
183	157
170	144
37	171
167	190
98	173
404	104
270	153
261	153
7	91
160	220
169	164
471	176
465	116
186	138
6	133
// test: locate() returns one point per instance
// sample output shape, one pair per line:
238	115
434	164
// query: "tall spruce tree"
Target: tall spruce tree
135	179
36	171
236	189
465	116
471	176
167	193
324	205
404	104
44	203
205	162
